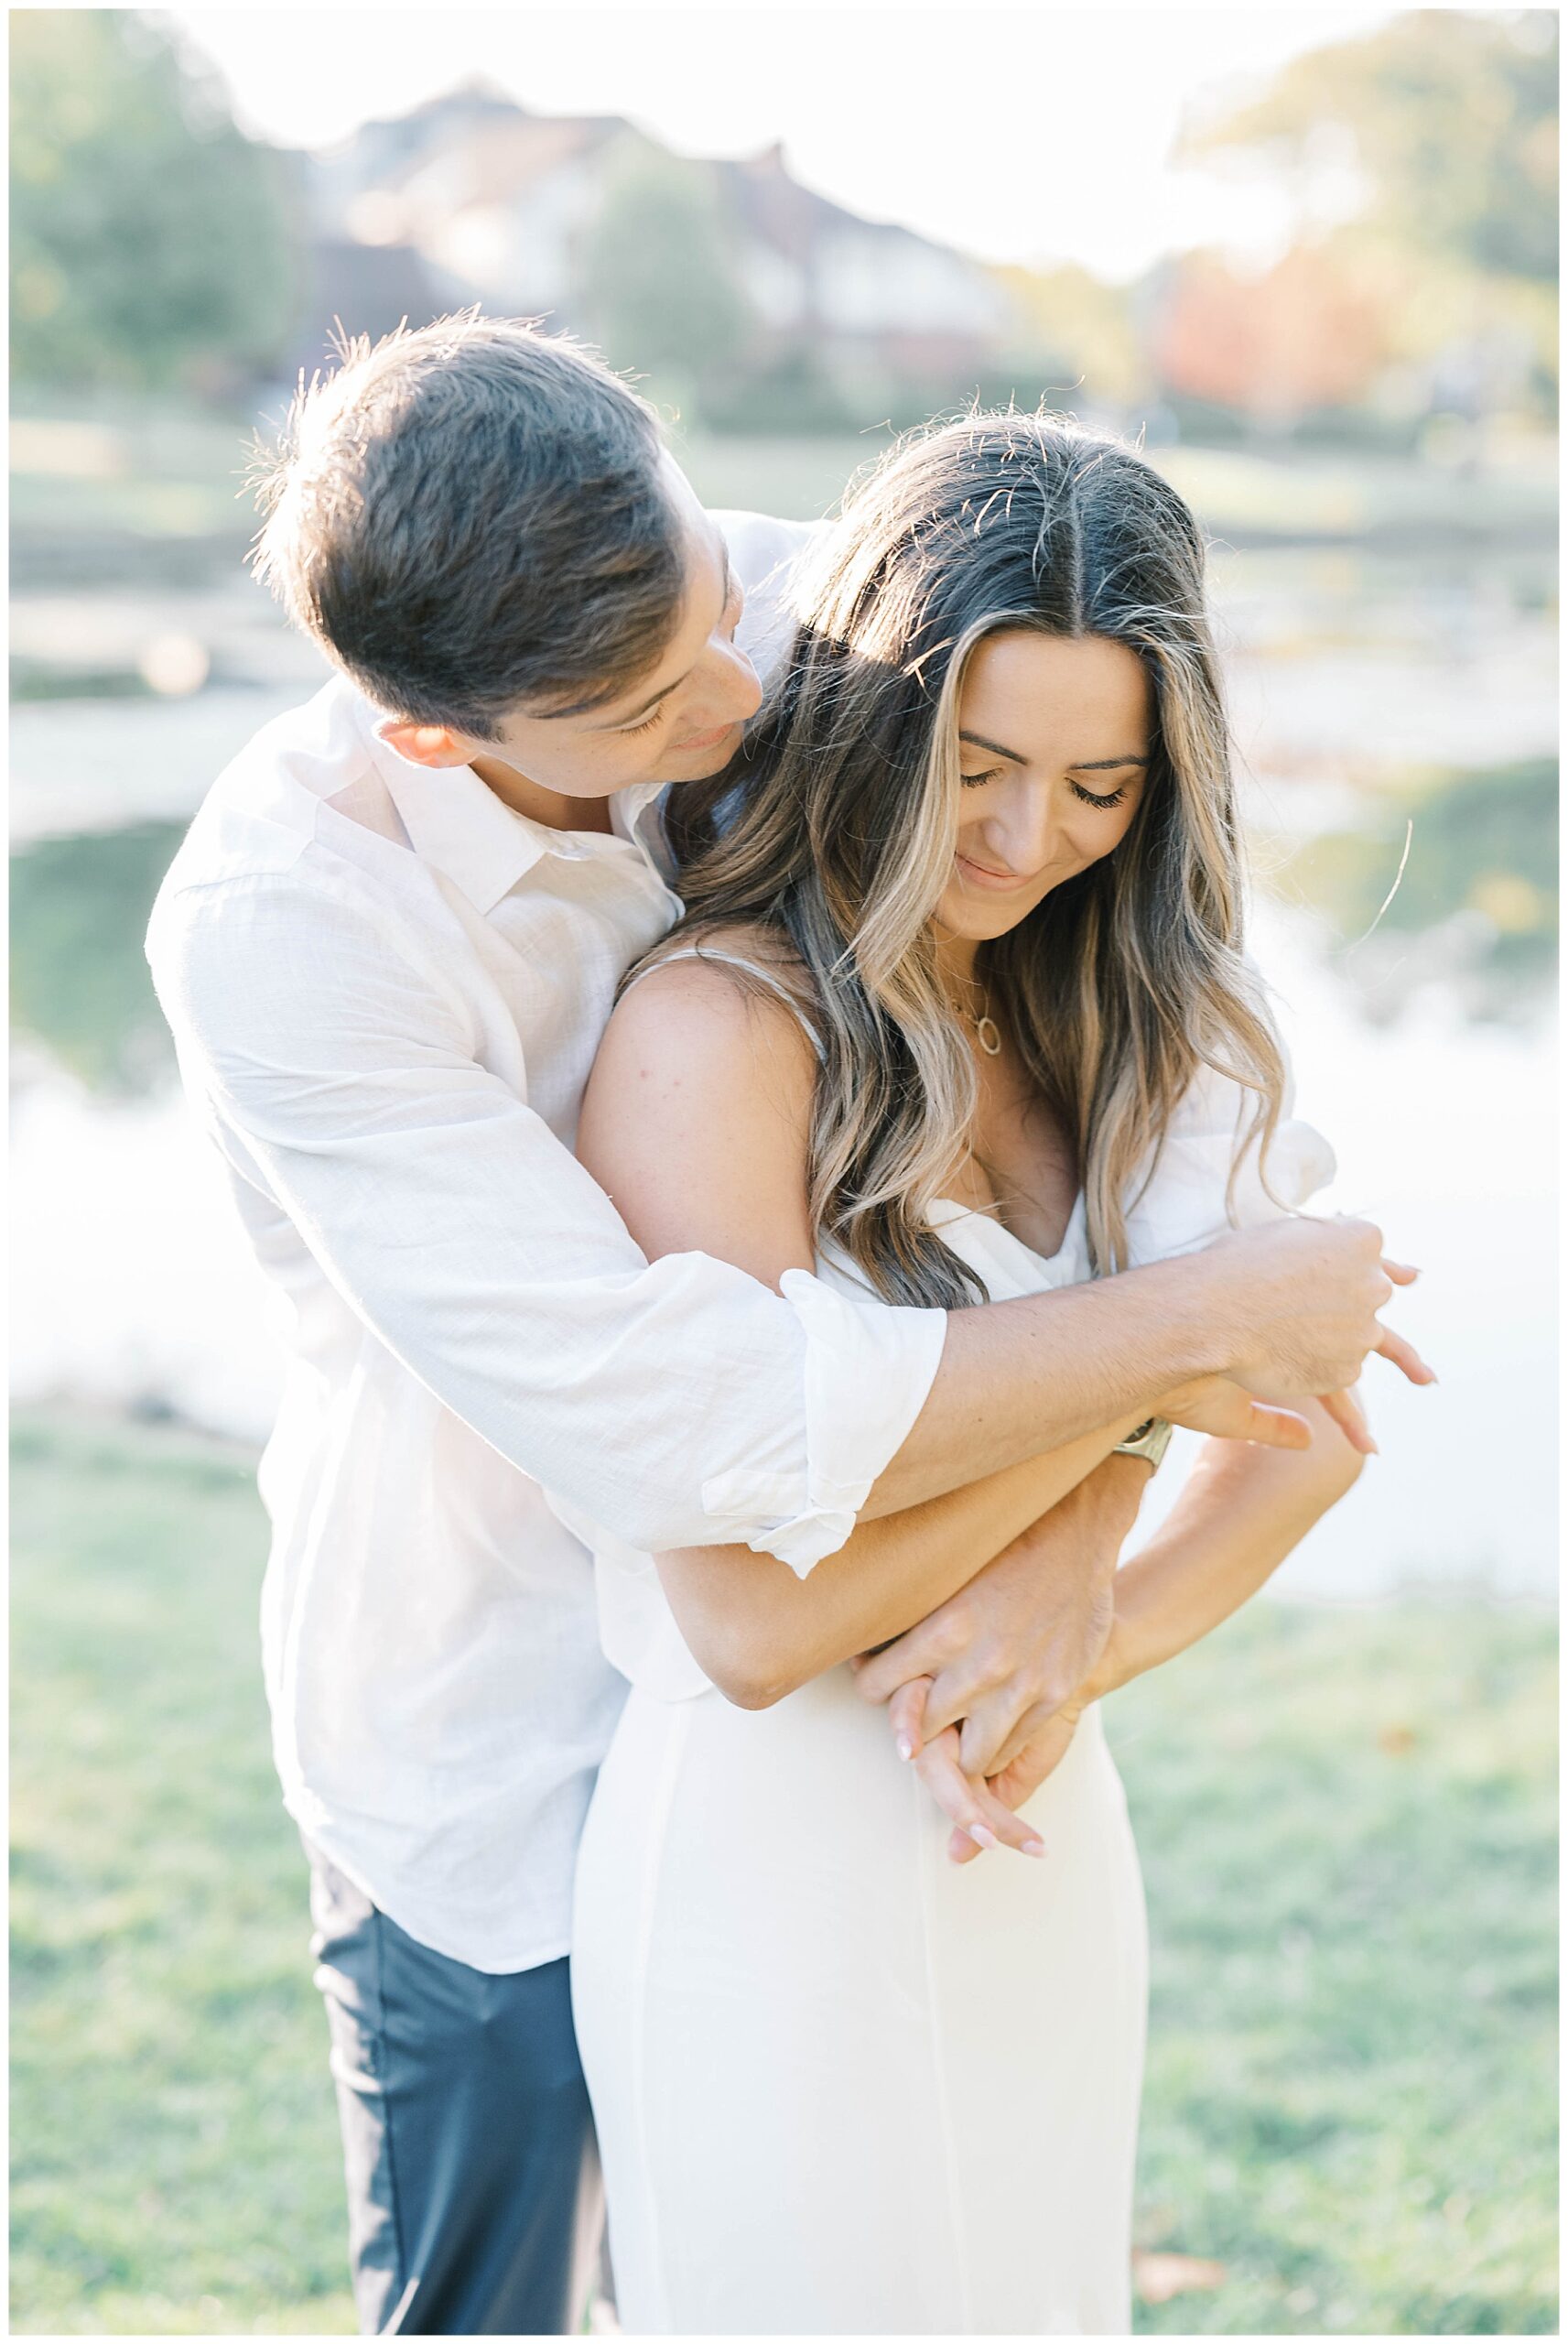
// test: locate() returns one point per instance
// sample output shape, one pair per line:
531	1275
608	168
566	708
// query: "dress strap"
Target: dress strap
775	983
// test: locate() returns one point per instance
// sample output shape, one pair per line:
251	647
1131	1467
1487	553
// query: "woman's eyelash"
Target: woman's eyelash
1090	799
647	726
974	780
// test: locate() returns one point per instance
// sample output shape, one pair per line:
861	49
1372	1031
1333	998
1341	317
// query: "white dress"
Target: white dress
843	2086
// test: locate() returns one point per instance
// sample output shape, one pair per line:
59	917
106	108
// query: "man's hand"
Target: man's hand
1213	1405
1009	1649
1296	1305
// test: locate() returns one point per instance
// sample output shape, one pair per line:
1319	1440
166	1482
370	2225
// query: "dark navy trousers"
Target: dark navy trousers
466	2127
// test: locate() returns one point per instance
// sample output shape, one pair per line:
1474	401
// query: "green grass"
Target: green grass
174	2142
1347	1826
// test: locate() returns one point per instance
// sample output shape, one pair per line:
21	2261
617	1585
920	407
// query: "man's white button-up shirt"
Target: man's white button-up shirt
386	989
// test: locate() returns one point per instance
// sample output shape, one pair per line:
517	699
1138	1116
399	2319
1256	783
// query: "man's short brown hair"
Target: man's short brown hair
469	519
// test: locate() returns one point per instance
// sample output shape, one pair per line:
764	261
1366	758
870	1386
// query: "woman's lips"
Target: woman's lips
1002	883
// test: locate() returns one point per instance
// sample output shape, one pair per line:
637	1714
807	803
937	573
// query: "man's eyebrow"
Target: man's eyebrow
731	588
638	713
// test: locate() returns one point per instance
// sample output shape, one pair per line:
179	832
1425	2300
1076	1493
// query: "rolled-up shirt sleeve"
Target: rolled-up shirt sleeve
678	1403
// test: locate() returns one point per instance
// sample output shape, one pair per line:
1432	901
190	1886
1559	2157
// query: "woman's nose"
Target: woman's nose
1023	836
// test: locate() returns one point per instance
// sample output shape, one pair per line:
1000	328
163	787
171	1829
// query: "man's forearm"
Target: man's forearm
1037	1373
1288	1307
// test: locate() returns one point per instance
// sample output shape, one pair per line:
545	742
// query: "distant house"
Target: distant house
870	289
472	198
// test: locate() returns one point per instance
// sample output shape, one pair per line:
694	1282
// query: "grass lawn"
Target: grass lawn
1347	1823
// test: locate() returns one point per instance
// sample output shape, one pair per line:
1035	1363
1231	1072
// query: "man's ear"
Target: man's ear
423	744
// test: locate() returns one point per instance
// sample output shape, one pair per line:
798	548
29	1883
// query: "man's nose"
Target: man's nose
733	681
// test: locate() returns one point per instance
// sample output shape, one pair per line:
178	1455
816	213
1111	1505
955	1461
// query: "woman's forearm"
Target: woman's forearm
1242	1512
760	1632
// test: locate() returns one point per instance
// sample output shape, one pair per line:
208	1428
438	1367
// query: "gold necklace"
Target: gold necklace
988	1033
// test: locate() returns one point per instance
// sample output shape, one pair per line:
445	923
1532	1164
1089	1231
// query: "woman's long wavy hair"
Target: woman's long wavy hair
833	829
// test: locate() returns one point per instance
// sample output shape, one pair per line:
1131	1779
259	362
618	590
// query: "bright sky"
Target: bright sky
1033	133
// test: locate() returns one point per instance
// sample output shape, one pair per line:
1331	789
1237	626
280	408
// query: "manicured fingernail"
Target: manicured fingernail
1033	1847
905	1747
982	1835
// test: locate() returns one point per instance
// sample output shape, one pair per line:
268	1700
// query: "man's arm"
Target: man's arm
1276	1310
675	1403
678	1403
1282	1308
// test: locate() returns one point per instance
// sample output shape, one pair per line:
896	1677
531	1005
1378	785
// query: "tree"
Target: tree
1443	123
1274	348
1081	333
150	242
1452	119
659	285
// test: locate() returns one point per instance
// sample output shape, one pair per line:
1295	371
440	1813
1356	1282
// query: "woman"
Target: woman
961	962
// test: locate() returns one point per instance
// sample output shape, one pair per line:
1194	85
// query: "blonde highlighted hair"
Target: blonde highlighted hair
834	830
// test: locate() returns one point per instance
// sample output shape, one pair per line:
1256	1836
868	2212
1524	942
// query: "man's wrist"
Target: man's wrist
1147	1443
1209	1341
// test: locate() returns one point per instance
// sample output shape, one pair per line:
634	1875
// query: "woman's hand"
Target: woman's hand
980	1816
1018	1781
1004	1652
1241	1513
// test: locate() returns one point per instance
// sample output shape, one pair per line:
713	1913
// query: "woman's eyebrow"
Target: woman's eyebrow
979	741
1096	764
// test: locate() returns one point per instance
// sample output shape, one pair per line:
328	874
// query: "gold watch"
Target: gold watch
1149	1440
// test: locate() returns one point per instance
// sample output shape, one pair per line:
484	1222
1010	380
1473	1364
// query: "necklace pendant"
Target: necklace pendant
987	1035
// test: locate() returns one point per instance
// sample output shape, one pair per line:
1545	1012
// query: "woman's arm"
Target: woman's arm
759	1632
1240	1514
697	1123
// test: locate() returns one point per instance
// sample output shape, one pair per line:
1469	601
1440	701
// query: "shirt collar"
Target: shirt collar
637	814
457	822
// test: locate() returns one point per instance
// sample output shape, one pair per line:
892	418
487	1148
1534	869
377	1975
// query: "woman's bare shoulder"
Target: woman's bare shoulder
733	1003
697	1114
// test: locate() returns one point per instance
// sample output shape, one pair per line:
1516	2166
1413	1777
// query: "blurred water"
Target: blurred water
130	1285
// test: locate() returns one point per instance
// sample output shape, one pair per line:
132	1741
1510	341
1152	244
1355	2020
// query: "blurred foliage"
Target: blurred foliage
1480	882
79	978
151	243
1452	119
1347	1824
659	284
1083	336
1438	294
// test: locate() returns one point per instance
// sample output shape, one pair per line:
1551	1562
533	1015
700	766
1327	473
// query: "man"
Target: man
387	950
